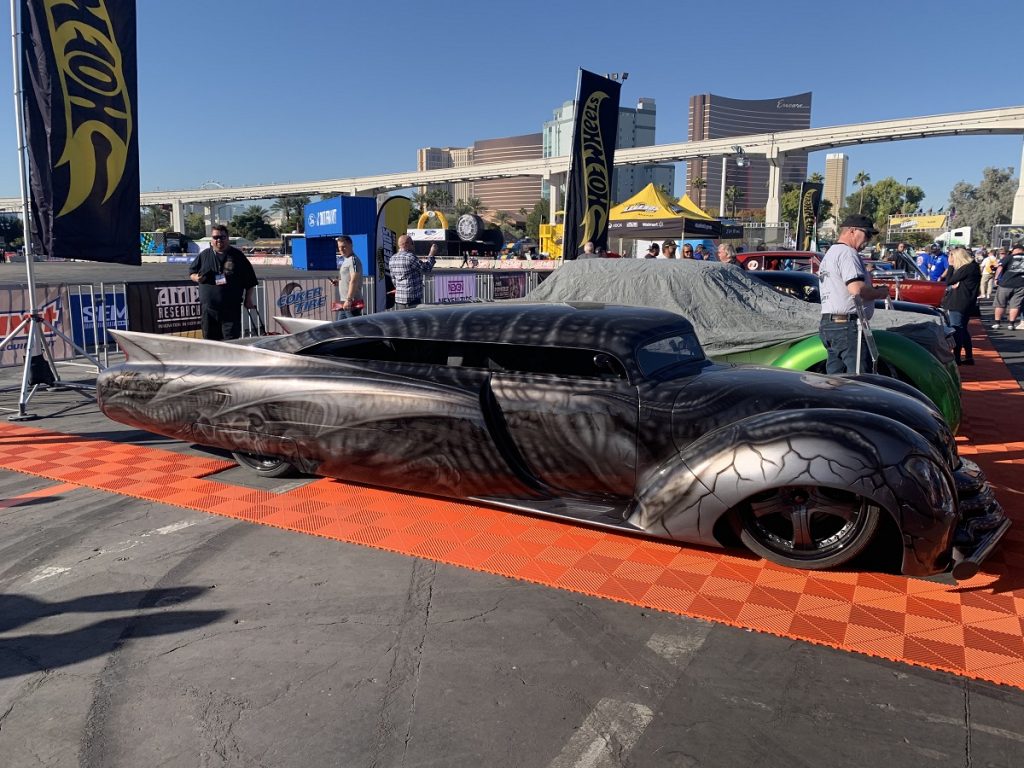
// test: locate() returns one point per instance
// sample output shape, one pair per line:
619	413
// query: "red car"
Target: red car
904	280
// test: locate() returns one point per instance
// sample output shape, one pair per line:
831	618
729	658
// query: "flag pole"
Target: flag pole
39	369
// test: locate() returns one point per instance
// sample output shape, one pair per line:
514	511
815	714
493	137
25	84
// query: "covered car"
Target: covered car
611	416
740	319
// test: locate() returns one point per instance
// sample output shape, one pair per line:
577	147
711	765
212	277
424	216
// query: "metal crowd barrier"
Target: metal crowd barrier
93	308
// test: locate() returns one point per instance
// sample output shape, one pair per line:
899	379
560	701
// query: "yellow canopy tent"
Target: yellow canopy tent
687	204
650	213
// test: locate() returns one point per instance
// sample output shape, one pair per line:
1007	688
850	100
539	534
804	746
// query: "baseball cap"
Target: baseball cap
668	243
857	221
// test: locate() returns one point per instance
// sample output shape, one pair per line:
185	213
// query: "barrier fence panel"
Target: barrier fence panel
85	311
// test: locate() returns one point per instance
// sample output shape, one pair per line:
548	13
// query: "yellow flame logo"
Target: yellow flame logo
97	105
595	168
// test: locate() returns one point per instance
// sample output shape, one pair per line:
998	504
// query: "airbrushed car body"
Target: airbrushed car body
607	415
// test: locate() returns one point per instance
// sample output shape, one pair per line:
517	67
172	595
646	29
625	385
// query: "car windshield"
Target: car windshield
663	353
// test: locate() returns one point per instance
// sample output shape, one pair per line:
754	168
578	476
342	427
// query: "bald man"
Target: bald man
407	272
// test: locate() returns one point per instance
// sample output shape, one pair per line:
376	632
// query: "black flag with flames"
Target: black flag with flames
81	119
588	193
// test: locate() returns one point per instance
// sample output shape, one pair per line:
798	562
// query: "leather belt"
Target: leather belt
841	318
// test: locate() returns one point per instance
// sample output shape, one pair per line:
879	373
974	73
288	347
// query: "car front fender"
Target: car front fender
940	383
870	455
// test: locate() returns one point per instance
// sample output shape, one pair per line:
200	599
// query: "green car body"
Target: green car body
898	356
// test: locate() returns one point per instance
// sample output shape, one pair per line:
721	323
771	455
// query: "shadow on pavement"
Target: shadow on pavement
25	654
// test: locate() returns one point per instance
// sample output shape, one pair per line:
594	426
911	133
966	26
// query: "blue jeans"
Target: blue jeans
962	337
840	340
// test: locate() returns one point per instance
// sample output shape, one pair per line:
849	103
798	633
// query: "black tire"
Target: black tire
266	466
833	526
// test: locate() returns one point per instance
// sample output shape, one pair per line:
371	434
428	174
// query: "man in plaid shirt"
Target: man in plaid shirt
407	273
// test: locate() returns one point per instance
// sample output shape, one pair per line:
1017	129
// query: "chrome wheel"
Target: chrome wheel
808	526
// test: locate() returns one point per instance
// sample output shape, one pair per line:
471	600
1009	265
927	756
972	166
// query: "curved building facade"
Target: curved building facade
718	117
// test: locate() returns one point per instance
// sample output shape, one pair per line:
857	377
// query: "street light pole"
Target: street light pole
721	199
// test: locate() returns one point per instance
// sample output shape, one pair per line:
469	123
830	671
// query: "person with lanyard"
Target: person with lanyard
349	280
844	278
938	264
407	271
226	281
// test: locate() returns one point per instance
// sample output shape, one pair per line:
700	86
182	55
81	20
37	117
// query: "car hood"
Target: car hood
722	395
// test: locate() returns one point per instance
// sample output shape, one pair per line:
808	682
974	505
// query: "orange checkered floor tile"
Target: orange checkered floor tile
975	628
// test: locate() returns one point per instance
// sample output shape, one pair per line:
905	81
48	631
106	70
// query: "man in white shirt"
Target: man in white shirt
844	278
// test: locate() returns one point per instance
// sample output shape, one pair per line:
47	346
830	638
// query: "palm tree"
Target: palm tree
699	183
732	196
816	178
862	178
289	210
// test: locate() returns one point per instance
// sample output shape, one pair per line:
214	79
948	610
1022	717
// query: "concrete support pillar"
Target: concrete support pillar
177	216
773	208
555	196
208	211
1017	216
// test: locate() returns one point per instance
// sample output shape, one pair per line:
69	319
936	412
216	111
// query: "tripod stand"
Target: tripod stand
39	368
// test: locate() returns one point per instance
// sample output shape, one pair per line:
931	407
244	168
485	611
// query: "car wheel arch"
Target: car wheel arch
687	497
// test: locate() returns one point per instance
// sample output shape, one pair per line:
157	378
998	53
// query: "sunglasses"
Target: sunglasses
219	237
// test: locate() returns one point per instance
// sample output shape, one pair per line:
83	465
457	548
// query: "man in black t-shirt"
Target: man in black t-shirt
226	281
1010	290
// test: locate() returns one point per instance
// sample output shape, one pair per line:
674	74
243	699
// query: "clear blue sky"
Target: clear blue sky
258	92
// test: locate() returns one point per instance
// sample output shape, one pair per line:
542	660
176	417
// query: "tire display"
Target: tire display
469	227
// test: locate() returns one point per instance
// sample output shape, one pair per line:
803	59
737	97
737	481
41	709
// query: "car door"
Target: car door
407	416
572	416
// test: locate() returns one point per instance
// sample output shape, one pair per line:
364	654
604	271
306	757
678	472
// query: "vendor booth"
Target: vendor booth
651	214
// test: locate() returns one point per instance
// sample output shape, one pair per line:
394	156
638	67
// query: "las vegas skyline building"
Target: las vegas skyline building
718	117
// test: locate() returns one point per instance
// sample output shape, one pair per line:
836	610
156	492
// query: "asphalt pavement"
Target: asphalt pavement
139	634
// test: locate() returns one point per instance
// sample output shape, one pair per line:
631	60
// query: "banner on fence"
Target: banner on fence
164	308
14	307
91	313
509	286
308	299
454	289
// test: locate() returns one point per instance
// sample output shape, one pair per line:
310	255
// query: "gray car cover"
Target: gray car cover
730	310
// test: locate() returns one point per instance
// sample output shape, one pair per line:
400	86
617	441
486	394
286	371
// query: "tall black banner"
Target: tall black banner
807	215
81	119
588	190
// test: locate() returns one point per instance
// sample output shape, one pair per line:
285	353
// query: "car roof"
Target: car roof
612	328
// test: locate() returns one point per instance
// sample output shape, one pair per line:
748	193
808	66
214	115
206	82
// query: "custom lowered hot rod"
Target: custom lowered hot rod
607	415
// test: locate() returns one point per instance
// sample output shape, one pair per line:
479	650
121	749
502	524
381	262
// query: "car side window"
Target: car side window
523	358
512	358
384	350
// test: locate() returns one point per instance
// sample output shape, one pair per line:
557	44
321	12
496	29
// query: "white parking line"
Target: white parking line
606	736
613	728
49	571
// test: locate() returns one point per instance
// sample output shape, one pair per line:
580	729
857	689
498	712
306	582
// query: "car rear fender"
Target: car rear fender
867	454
